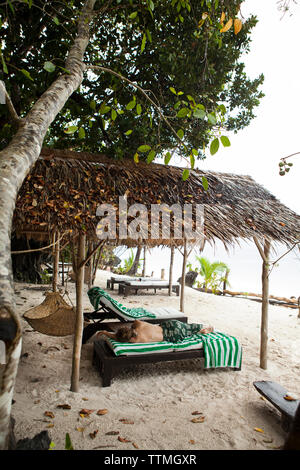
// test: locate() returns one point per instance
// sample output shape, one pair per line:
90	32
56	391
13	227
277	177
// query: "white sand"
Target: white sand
159	399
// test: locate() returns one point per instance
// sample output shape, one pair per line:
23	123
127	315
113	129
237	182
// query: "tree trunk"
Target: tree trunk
55	261
79	314
171	269
185	256
133	270
265	308
16	160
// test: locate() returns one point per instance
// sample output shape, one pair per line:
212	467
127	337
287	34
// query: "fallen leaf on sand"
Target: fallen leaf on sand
65	406
192	441
122	439
85	412
112	433
126	421
135	445
197	413
50	425
198	420
80	429
102	412
49	414
93	434
258	430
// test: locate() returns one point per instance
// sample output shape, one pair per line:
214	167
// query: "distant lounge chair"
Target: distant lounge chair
110	283
106	307
128	286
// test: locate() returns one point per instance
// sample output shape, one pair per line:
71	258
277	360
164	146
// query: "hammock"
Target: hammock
53	317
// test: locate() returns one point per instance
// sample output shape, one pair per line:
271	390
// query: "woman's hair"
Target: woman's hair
124	334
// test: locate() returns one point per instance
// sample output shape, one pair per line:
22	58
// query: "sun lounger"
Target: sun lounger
217	349
275	394
126	286
110	283
106	307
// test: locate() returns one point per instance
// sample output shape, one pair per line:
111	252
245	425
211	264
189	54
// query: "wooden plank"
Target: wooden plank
275	394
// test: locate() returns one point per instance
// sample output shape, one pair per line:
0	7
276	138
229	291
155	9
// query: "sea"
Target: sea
244	262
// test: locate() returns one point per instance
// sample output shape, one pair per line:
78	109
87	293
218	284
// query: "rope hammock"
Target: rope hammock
53	317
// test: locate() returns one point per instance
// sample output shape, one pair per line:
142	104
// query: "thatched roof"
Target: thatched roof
64	189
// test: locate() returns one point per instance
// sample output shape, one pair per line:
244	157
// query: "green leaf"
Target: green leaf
130	105
192	160
144	148
128	132
70	129
104	109
214	146
56	20
185	174
49	66
68	443
173	90
225	141
180	133
183	112
151	156
81	133
138	109
93	105
199	113
114	114
194	152
27	74
143	42
212	119
133	15
167	158
136	157
204	183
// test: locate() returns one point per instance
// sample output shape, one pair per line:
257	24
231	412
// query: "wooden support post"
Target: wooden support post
265	307
162	275
171	269
79	314
185	256
55	251
144	262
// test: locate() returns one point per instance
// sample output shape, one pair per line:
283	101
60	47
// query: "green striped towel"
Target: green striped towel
220	350
95	294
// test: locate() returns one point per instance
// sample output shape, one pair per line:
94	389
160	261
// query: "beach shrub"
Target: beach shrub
213	273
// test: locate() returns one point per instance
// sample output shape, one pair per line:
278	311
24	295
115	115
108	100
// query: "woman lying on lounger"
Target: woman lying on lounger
143	332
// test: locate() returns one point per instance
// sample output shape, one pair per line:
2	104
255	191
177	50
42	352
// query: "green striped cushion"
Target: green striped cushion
220	350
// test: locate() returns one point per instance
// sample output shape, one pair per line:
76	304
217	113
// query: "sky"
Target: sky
257	150
274	133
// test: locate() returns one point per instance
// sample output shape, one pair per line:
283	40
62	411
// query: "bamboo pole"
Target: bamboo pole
185	256
171	269
144	263
55	260
79	314
265	307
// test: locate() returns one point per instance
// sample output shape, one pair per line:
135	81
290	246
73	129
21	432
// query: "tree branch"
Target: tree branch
11	109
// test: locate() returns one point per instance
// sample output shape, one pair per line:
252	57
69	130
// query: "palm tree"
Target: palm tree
213	273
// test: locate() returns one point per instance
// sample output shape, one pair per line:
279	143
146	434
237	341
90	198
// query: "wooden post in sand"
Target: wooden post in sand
185	257
171	269
80	268
264	252
144	262
55	252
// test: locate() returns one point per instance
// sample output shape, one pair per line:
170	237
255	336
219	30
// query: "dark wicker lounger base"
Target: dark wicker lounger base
108	365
